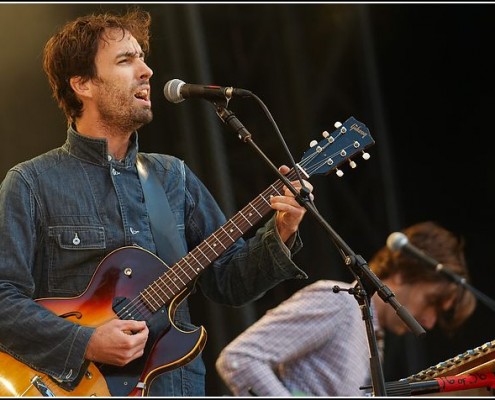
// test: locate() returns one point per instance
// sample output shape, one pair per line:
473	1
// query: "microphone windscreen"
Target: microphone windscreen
396	241
171	90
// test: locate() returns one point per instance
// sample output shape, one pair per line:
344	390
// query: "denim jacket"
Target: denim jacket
62	212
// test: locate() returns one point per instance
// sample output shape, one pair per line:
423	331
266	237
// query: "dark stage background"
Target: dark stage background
420	77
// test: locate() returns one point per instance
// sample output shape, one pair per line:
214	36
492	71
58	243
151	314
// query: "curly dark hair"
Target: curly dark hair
72	51
446	248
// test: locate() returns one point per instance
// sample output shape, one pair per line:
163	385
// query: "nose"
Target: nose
145	71
428	319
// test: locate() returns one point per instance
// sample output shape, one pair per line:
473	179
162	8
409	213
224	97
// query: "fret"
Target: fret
254	208
195	259
159	303
279	192
212	249
173	280
184	272
265	200
241	232
147	297
248	221
177	275
189	265
165	283
204	255
163	291
219	241
227	235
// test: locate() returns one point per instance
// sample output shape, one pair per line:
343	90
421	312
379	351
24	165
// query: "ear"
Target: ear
80	86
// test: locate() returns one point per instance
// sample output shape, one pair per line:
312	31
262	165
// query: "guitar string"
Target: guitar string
236	221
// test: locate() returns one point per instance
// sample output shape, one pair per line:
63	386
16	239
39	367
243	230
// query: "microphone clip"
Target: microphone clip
355	291
229	118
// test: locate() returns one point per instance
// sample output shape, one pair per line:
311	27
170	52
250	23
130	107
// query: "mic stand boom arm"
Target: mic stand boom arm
490	303
369	282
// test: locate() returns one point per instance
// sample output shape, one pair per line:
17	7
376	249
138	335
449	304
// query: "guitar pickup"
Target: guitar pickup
125	310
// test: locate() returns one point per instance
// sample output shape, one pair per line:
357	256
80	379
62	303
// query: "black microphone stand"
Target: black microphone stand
368	282
490	303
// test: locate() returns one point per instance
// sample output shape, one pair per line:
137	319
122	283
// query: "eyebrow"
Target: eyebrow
135	54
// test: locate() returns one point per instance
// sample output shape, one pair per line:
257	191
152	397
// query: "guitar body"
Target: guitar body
119	279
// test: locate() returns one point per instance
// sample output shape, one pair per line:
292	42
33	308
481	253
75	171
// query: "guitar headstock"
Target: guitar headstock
348	139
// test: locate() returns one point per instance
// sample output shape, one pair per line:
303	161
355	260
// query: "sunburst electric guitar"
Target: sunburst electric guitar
132	283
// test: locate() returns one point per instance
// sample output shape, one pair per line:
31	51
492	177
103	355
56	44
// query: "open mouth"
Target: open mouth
143	94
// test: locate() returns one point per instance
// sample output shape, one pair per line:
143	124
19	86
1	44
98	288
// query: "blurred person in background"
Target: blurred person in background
315	342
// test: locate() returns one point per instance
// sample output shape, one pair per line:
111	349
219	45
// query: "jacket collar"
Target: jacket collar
96	150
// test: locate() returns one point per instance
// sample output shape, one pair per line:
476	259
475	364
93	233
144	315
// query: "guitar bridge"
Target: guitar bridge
41	387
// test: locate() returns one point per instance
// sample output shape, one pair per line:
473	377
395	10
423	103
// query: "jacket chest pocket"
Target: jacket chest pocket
74	253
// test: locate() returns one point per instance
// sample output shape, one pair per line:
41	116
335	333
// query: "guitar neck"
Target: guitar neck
183	272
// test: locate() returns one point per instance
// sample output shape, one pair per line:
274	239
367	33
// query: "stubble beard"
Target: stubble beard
119	114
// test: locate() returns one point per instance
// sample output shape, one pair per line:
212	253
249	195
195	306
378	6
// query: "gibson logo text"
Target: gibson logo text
355	127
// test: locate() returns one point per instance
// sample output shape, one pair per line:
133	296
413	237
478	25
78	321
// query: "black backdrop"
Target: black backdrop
418	75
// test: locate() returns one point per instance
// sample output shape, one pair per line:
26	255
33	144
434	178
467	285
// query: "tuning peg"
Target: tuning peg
339	173
313	143
352	164
337	124
365	155
327	136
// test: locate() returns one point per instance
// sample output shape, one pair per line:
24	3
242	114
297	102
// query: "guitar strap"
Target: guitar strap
170	247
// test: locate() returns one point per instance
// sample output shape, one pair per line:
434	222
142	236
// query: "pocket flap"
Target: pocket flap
78	237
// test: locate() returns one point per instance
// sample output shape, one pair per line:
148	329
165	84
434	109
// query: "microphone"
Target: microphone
398	241
176	91
441	384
